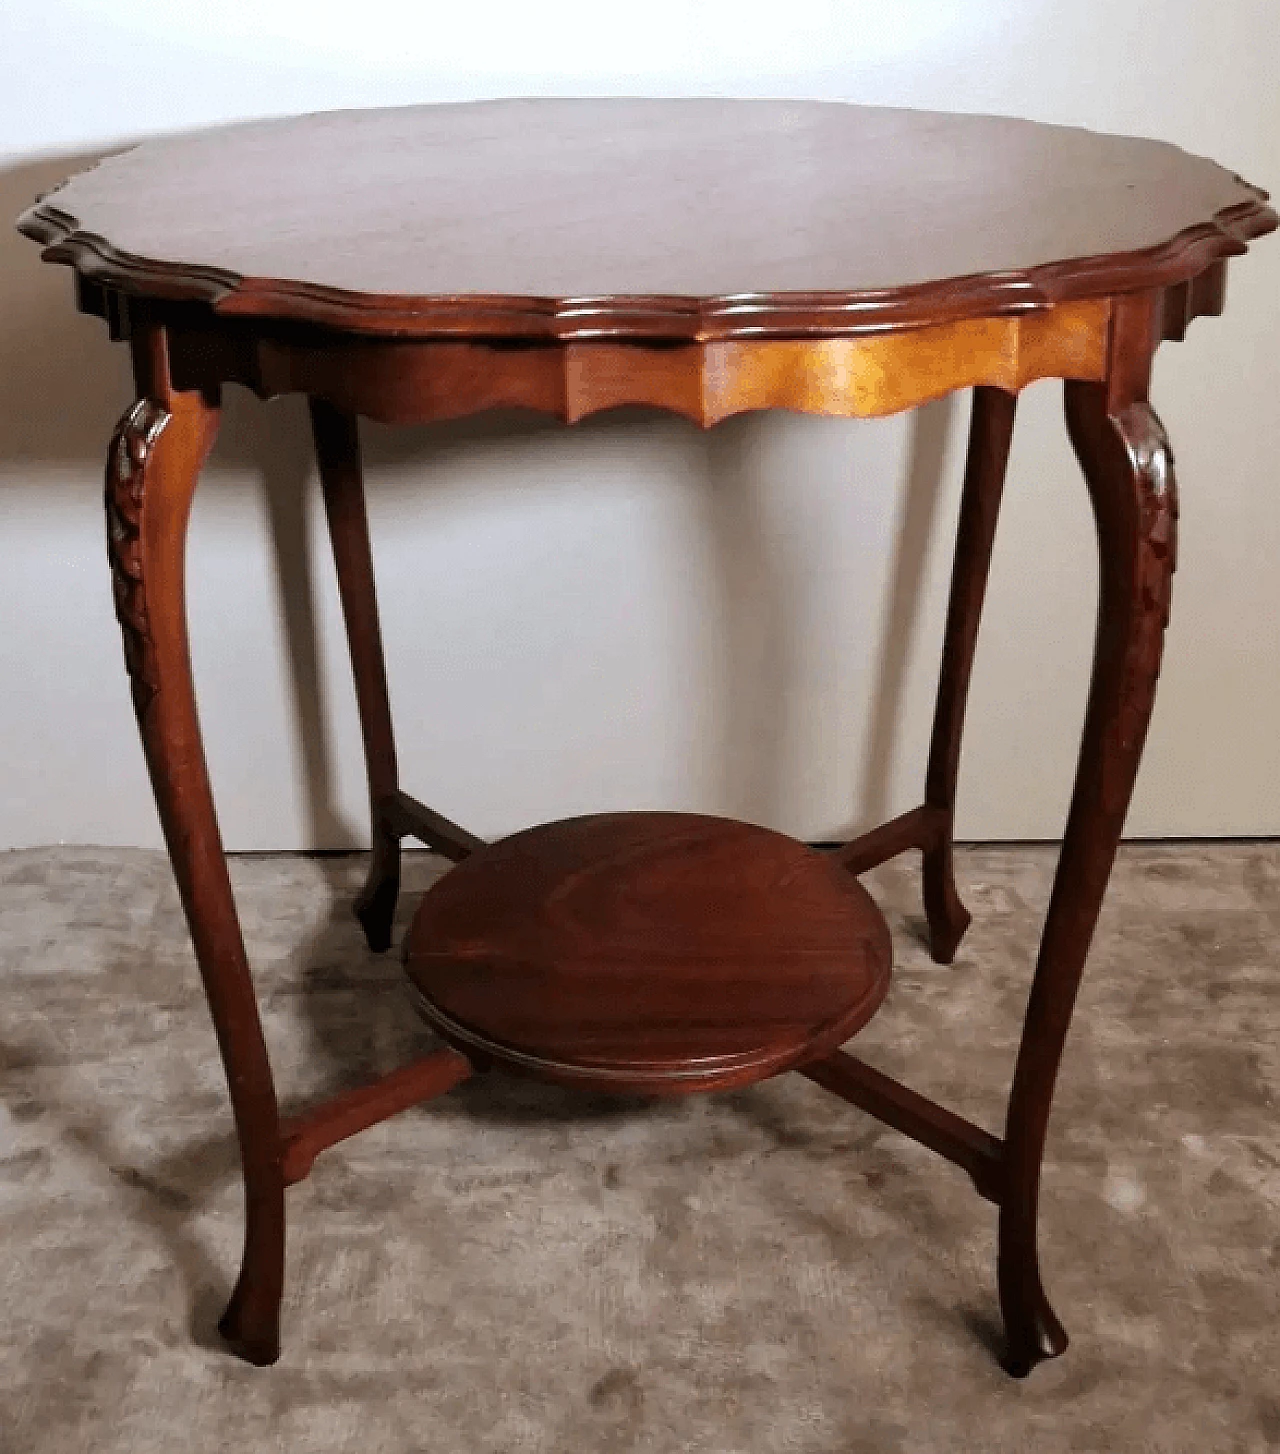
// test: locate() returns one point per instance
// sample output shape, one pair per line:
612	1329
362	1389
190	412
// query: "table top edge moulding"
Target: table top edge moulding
703	257
869	300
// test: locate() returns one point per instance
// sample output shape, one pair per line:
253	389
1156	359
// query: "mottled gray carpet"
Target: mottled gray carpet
516	1269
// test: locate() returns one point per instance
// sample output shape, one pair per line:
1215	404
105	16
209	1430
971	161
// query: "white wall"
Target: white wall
632	613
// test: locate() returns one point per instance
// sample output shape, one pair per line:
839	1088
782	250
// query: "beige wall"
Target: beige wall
632	613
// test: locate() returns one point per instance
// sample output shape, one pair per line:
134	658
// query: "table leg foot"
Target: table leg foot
375	905
251	1322
1032	1330
251	1327
945	913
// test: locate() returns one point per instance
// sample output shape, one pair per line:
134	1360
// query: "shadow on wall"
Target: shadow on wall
763	617
63	385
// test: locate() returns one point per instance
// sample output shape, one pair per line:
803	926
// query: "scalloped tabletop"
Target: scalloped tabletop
685	219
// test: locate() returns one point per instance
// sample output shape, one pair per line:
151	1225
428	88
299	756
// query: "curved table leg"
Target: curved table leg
1128	467
152	468
990	431
337	445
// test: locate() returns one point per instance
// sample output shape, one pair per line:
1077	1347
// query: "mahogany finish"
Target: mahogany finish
970	1147
918	828
418	382
408	818
990	433
152	467
304	1137
704	257
694	219
337	444
1128	468
656	953
393	813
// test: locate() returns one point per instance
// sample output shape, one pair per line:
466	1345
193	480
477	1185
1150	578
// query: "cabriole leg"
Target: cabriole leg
1128	468
152	468
338	455
990	431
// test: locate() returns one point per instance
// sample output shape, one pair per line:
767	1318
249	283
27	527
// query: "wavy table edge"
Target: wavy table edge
653	319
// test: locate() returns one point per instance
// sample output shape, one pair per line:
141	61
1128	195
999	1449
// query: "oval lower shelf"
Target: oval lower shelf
654	953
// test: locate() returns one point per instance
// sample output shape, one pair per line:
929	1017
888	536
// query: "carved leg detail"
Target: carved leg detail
154	461
990	432
1128	467
338	454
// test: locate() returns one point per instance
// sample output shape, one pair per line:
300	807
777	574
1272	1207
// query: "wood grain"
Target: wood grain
398	382
178	430
704	258
651	952
691	220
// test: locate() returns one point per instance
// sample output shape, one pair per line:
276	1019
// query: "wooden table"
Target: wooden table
704	257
